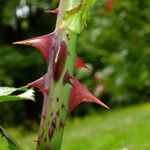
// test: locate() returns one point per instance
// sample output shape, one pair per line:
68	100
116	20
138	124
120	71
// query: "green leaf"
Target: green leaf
7	90
11	143
6	94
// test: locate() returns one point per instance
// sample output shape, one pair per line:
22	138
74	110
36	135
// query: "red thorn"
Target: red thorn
67	78
55	11
39	83
42	43
79	94
59	60
79	63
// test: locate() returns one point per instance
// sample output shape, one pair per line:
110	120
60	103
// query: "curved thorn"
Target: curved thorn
55	11
42	43
79	94
79	63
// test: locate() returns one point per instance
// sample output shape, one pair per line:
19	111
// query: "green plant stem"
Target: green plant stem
52	106
55	104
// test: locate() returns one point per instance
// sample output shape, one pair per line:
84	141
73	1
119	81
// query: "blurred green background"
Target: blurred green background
116	47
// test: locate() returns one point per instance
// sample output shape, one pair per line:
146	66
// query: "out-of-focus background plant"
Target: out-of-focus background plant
117	45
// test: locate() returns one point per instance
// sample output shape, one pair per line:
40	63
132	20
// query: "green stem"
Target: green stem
55	104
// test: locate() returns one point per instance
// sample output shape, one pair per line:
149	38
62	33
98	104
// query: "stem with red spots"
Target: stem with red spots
71	15
61	91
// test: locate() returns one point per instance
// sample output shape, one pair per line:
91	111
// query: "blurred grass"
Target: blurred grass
114	130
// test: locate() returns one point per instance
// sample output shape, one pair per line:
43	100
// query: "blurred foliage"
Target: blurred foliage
7	141
114	130
20	65
115	44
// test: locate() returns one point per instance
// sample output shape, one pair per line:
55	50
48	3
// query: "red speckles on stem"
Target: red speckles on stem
79	63
39	139
57	113
59	60
42	43
52	128
79	94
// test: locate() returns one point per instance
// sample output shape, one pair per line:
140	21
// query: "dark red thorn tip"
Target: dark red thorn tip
67	78
79	64
42	43
55	11
79	94
52	128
